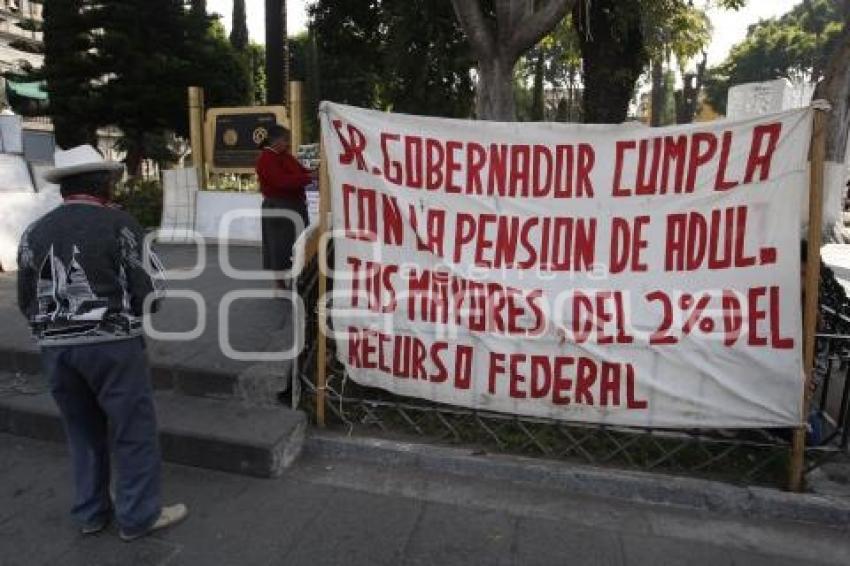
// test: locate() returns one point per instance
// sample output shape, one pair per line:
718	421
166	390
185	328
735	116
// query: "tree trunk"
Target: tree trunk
836	89
573	115
538	112
495	98
134	159
519	25
239	26
658	96
276	56
562	114
199	7
700	80
614	54
687	100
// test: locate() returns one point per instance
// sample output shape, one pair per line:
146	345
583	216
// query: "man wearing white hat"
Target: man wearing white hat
85	276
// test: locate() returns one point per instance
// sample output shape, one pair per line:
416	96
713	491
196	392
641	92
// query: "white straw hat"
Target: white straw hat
78	160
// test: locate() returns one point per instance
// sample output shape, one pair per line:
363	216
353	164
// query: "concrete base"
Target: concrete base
208	433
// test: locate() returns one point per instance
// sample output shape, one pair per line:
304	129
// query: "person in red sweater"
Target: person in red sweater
282	181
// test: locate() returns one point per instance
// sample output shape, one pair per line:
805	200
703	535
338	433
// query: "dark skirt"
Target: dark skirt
279	234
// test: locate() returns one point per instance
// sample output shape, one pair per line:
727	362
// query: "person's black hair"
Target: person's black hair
97	184
275	132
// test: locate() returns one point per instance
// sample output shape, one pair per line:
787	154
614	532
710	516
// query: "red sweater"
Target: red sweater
281	176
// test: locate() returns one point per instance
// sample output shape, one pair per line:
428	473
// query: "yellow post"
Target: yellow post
296	113
811	288
196	130
322	260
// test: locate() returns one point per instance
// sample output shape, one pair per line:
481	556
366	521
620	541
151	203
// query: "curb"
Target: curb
636	487
187	381
206	433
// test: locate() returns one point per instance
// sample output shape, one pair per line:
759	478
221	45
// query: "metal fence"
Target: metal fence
739	456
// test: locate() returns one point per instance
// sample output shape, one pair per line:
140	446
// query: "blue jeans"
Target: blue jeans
104	394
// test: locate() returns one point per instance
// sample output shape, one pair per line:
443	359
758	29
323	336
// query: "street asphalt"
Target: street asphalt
325	511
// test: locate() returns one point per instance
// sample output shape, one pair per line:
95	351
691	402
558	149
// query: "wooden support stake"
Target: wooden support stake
811	288
196	128
295	104
322	260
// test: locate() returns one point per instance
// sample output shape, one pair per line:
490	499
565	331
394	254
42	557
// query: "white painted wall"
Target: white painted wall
17	211
179	195
242	213
242	209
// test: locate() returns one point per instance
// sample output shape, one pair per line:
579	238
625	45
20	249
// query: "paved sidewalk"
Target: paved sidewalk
334	512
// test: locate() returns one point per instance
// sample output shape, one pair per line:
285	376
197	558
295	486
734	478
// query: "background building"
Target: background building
21	41
21	50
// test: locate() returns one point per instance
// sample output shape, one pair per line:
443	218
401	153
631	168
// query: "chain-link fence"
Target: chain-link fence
741	456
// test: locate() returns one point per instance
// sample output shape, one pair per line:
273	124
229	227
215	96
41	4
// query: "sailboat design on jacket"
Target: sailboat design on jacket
65	294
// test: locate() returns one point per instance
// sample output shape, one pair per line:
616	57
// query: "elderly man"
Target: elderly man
84	278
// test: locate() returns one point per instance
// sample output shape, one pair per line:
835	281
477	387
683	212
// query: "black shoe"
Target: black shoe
94	528
168	517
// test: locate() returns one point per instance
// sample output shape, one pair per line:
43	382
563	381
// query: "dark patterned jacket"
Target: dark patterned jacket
84	274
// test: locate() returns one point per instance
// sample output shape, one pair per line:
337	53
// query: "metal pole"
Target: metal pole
322	260
810	288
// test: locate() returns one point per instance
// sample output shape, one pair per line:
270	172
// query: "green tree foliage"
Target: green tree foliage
225	74
554	63
407	55
674	29
795	46
143	66
425	60
69	68
301	67
677	28
606	45
304	67
142	198
257	63
398	54
249	53
349	41
105	69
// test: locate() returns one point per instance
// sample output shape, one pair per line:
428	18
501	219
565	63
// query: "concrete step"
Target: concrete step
255	382
224	435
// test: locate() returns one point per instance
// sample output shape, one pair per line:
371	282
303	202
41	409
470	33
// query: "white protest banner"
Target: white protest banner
605	274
